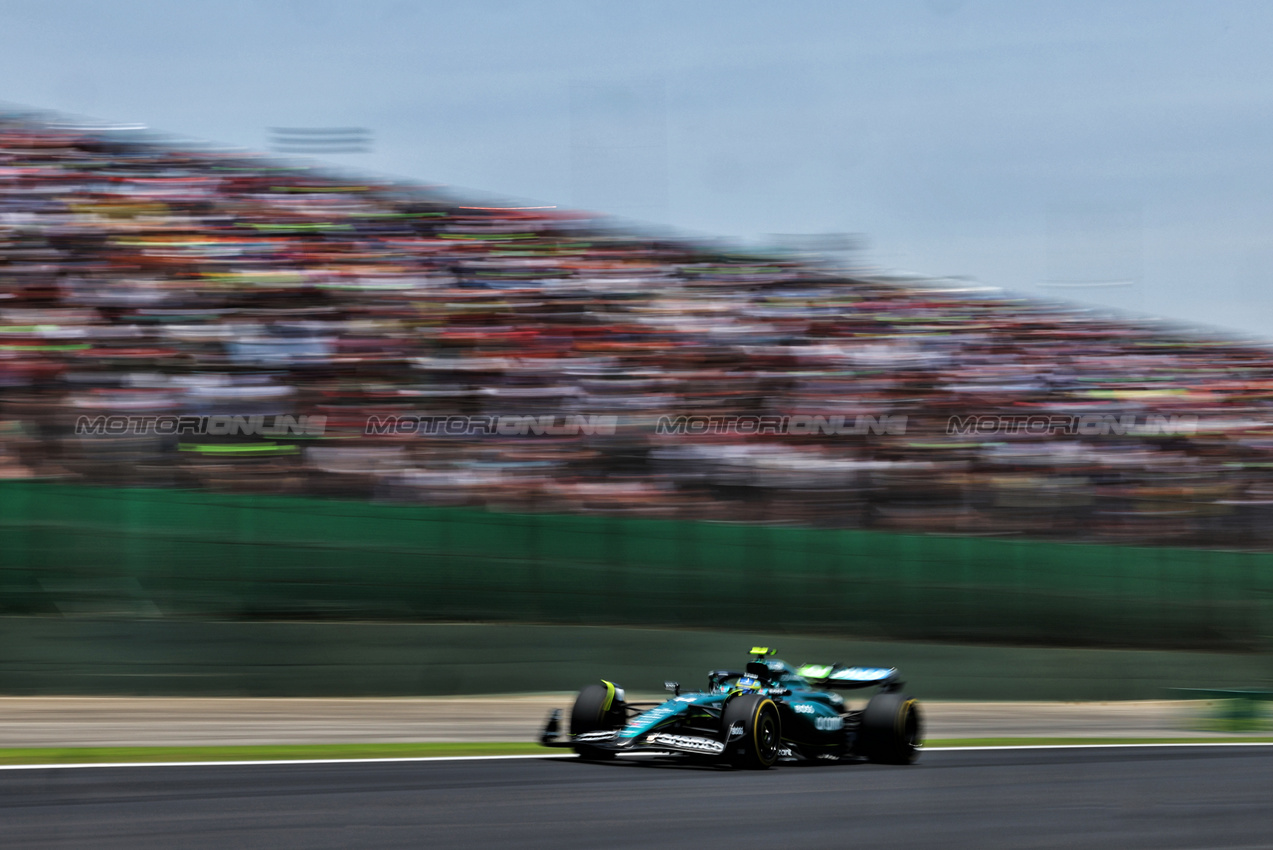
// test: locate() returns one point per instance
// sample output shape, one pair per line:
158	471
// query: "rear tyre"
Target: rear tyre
598	708
891	730
761	740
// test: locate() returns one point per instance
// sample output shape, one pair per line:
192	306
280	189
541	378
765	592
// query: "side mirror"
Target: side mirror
672	687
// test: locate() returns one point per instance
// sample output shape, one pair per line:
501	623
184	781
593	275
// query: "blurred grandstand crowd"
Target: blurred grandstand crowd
150	279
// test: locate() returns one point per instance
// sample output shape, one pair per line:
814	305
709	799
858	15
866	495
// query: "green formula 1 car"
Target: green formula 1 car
753	718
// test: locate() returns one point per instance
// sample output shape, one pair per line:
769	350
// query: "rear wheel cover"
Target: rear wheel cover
891	729
911	731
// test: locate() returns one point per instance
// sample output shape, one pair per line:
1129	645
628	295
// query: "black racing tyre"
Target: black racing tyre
891	730
762	731
597	708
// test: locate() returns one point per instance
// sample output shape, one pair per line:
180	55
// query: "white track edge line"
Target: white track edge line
1147	745
409	759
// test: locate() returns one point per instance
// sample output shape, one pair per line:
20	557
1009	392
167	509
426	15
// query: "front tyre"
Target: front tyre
891	730
598	708
761	738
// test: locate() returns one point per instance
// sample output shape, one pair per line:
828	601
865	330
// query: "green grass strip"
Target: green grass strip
95	755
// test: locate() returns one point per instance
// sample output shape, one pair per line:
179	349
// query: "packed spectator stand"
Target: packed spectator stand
144	278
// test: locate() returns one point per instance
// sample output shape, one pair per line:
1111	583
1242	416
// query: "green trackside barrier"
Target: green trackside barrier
178	656
94	551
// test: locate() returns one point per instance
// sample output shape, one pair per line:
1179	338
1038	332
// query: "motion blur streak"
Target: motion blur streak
141	277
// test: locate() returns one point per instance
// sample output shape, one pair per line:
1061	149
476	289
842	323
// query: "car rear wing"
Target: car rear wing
843	678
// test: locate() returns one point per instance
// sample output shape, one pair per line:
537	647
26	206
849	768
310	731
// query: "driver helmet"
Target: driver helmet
748	683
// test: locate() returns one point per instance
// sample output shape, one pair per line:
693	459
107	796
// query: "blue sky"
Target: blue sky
1024	144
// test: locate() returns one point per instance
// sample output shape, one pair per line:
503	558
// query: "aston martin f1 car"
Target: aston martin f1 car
753	718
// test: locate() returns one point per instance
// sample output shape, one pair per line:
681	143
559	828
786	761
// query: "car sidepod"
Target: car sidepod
812	722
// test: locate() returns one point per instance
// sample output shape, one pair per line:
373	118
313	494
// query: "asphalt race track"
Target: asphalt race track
1173	797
